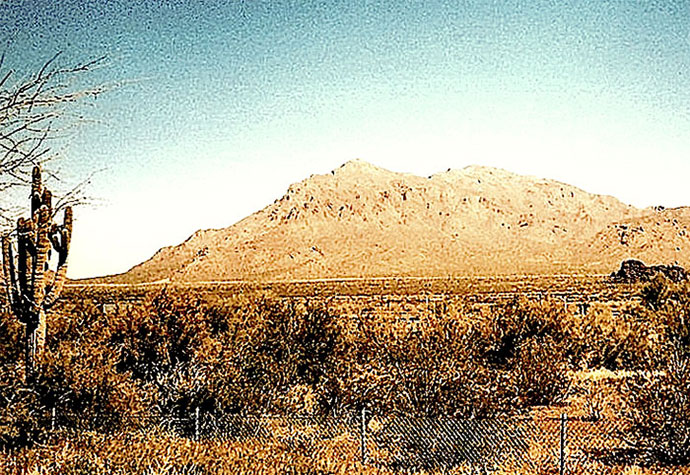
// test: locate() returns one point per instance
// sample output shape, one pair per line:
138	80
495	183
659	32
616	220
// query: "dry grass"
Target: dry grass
160	453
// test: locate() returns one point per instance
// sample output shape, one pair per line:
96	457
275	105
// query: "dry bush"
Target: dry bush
597	394
11	337
657	412
22	414
450	364
20	408
625	341
529	342
269	348
659	292
656	406
512	324
669	312
79	374
430	369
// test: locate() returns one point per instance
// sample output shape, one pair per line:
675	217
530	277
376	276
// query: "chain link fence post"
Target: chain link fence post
364	435
564	428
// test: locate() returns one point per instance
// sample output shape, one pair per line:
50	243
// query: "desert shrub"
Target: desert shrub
167	356
20	411
659	292
156	349
454	364
25	410
656	405
626	341
153	338
670	314
76	376
181	349
511	325
538	375
529	343
639	333
269	348
22	415
178	351
430	368
657	412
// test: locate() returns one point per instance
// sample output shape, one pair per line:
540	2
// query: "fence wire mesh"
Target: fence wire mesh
402	444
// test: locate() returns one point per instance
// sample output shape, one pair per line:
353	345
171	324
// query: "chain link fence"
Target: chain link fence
508	445
405	444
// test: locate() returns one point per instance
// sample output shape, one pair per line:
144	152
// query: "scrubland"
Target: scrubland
111	374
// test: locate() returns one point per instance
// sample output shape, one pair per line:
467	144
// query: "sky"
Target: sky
218	106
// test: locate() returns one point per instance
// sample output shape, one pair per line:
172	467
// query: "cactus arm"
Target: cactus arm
25	250
9	273
47	201
36	190
65	237
56	287
17	304
61	245
54	236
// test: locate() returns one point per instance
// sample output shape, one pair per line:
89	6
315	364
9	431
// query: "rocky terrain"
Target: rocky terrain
633	271
364	221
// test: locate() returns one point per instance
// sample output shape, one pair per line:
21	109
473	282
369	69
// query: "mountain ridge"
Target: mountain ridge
361	220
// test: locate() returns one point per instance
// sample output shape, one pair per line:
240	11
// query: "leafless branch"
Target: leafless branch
34	111
76	196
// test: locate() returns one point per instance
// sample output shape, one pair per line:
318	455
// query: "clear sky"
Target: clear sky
225	103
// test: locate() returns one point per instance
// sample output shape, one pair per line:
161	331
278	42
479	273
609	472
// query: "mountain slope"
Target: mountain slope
364	221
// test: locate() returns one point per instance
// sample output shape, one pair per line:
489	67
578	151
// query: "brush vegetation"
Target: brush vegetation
113	375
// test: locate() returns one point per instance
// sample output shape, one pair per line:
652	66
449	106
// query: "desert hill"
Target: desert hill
364	221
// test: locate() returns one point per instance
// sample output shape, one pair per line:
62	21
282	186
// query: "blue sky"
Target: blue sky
224	104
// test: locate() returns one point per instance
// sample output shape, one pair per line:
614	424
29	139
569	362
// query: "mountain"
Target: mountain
364	221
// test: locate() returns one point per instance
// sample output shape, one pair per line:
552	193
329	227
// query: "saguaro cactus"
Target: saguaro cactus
30	289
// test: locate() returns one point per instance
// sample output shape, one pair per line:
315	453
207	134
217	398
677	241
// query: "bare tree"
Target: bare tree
34	111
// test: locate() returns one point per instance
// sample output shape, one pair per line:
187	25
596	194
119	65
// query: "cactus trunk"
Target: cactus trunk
34	343
30	289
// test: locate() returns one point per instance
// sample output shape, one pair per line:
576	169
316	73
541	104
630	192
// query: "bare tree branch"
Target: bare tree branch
34	111
76	196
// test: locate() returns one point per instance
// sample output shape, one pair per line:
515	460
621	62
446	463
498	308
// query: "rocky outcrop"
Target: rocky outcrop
633	271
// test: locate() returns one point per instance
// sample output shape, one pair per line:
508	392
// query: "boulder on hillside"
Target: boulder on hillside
633	271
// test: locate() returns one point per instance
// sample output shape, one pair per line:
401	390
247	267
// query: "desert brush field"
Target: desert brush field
508	375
